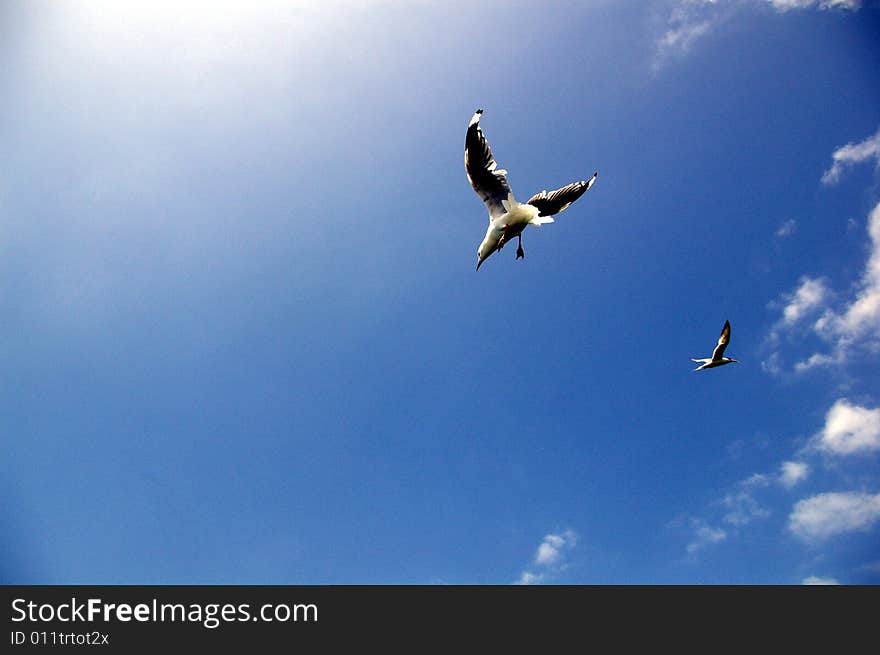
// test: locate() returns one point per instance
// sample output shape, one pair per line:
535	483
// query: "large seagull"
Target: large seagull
507	217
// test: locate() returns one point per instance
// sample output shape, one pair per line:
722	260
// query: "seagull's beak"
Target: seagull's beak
479	263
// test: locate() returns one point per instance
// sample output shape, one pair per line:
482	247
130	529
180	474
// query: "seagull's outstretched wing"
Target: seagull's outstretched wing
723	340
557	201
490	184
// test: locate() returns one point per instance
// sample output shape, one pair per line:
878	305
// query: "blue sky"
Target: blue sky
242	338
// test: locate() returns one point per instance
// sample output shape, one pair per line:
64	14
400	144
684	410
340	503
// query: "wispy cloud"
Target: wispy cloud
816	360
786	5
816	580
679	40
688	22
692	20
852	153
550	551
850	429
704	535
810	297
742	507
806	299
787	229
791	473
826	515
550	557
854	325
527	577
772	365
861	317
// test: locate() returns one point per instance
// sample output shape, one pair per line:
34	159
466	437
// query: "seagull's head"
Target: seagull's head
483	253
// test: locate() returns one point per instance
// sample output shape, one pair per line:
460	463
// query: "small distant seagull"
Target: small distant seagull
507	217
718	358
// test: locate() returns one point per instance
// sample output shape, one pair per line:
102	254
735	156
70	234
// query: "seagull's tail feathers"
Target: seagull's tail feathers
511	204
700	361
537	220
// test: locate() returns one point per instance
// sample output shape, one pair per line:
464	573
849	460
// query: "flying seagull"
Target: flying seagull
507	217
717	358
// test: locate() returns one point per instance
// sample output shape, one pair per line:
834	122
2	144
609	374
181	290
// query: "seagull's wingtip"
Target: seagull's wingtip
476	117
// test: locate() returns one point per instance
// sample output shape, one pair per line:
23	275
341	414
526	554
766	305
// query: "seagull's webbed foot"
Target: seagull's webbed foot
520	253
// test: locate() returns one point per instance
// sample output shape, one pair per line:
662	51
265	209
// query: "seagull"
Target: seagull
717	358
507	217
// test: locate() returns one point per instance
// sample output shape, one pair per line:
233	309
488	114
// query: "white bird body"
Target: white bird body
717	358
708	362
508	225
508	217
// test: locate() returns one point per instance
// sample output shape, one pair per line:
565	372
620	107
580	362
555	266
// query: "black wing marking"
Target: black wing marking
723	340
557	201
479	164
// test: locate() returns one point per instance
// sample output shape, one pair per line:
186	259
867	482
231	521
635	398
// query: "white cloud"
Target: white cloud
681	37
755	480
793	472
743	509
816	580
550	556
861	318
691	20
688	22
850	429
741	504
811	295
786	229
852	153
807	298
829	514
853	325
772	365
550	551
785	5
815	360
704	535
528	578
